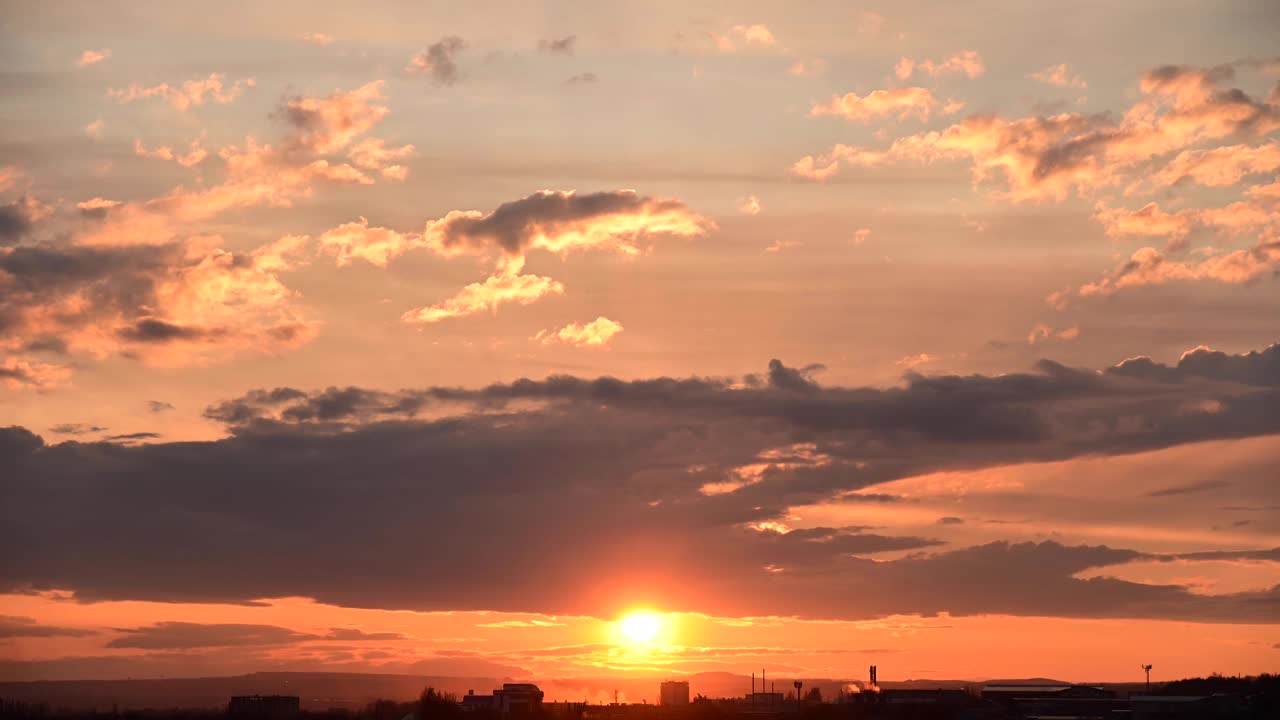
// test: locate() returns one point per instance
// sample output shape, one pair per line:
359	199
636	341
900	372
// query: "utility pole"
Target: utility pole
1147	670
799	684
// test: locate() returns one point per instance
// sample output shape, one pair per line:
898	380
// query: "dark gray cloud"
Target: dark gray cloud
350	634
132	436
1272	555
75	429
157	406
186	636
13	223
425	491
1258	368
563	46
18	626
950	520
438	60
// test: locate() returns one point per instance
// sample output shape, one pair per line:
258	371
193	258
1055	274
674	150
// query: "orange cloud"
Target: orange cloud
373	154
749	205
191	92
1044	332
195	154
556	221
1149	266
9	175
596	333
1047	158
757	35
93	57
318	38
1059	75
326	125
374	245
258	174
912	361
21	373
1220	166
968	62
902	102
166	305
487	295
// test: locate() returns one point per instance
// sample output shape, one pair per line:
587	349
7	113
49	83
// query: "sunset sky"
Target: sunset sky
438	338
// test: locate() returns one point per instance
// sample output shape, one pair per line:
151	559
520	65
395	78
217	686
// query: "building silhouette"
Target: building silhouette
673	693
263	707
512	699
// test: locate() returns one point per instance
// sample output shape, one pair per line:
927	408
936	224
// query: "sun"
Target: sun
641	627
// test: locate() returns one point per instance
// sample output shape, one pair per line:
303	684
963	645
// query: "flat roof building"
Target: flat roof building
673	692
510	699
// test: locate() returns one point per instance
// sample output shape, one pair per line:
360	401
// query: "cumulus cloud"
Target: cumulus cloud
212	89
744	36
255	174
195	153
899	102
165	304
1048	158
1044	332
967	62
596	333
521	473
1220	166
93	57
1148	266
438	61
376	245
373	154
561	221
558	222
749	205
1059	75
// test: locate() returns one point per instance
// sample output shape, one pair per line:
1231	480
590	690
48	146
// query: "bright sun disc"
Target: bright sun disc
640	627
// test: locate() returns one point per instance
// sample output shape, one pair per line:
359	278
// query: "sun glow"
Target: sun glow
640	628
